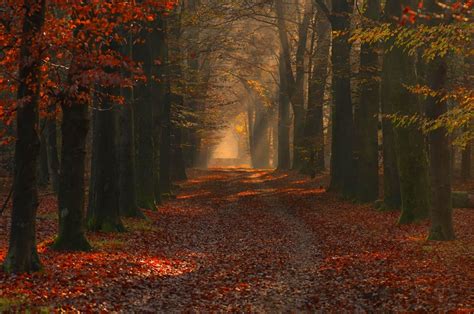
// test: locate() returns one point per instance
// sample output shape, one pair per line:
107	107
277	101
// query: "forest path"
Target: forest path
245	240
252	249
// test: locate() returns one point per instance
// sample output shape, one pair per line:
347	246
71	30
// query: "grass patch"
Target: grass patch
427	248
9	304
140	225
48	216
104	244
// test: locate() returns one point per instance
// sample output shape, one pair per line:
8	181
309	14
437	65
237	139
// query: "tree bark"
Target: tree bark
342	170
74	128
466	160
314	124
410	148
145	106
179	165
52	148
165	147
440	164
284	162
367	150
126	154
391	182
295	83
168	101
43	170
127	177
103	213
22	255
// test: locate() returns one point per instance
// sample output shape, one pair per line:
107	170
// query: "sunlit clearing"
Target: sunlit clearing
228	152
228	148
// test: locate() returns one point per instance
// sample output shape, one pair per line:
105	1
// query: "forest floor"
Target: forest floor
251	241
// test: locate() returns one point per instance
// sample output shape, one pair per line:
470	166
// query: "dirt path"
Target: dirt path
248	247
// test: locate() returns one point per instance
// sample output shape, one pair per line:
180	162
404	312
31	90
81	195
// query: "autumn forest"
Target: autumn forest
236	156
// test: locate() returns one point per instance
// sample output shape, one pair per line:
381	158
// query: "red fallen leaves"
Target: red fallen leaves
248	240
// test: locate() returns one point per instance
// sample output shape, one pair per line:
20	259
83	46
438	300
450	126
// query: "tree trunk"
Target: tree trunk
440	164
127	179
260	137
179	166
367	150
75	126
342	170
103	213
410	148
43	170
145	106
167	101
284	162
126	154
165	147
391	182
52	147
466	159
295	83
22	255
314	125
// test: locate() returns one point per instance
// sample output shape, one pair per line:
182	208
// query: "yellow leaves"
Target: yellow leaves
456	121
431	41
261	91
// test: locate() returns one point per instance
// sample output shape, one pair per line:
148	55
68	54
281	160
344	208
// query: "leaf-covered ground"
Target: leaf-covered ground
252	241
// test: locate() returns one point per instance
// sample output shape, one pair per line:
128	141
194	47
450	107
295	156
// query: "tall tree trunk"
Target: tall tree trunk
52	148
126	155
466	159
145	105
412	160
367	150
342	170
75	126
260	137
127	183
167	101
179	165
22	255
440	164
284	162
165	146
295	83
43	170
103	213
314	124
192	152
251	134
391	181
409	142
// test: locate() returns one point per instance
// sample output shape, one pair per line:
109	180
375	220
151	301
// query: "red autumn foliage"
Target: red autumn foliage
247	240
459	10
79	29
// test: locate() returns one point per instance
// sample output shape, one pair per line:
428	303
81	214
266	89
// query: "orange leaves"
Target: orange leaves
75	29
459	10
289	246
